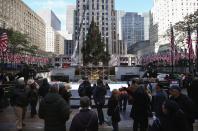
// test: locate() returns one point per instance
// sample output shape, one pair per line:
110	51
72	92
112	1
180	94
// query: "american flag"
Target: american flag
3	42
189	43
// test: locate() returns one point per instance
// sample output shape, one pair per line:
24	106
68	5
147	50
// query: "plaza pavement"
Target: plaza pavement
7	118
7	121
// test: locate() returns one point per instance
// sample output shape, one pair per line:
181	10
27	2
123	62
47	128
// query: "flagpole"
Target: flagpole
189	49
172	50
197	51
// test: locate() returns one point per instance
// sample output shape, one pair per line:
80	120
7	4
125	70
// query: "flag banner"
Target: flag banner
3	42
190	47
18	58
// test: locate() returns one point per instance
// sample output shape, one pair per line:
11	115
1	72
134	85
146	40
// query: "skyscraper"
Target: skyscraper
146	16
103	14
132	26
50	19
53	25
70	18
168	12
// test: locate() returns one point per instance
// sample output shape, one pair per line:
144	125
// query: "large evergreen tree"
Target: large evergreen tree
93	49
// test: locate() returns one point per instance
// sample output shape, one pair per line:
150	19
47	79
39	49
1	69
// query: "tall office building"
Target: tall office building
53	25
59	40
70	18
120	14
103	14
50	19
17	15
167	12
146	16
132	25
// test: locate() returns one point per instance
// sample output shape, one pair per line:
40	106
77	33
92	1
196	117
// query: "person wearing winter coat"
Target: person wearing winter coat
44	88
174	118
64	91
86	119
123	98
185	103
158	100
33	96
140	108
113	109
99	99
54	110
19	101
194	96
85	88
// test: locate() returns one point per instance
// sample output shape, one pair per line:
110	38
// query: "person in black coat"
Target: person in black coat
1	94
185	103
44	88
140	108
174	118
64	91
86	119
99	99
114	109
33	96
158	99
19	101
194	96
54	110
85	88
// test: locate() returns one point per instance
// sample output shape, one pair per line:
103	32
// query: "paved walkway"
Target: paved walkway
7	121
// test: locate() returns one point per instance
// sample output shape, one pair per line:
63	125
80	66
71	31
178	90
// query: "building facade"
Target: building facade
146	25
70	16
59	46
68	47
168	12
17	15
54	42
50	19
50	39
103	14
132	28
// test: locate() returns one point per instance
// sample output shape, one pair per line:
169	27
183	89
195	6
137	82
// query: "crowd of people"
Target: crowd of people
171	110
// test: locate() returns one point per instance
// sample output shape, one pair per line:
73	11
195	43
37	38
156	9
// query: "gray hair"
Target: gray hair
84	102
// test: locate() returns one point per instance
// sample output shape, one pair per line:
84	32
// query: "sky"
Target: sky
59	6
